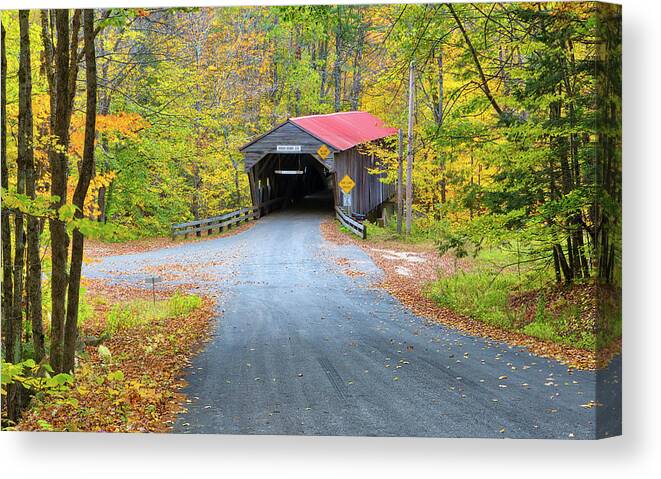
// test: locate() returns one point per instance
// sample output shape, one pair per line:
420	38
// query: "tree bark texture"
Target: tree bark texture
84	177
58	165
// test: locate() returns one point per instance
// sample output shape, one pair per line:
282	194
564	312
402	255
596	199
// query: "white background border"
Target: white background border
636	454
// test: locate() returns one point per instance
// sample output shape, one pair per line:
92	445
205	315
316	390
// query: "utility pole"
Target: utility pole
400	181
409	156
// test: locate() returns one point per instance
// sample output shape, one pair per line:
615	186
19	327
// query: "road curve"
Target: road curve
302	348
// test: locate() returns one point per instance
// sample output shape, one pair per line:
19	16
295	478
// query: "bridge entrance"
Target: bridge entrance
295	178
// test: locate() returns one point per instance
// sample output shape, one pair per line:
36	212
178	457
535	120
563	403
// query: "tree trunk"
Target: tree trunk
337	66
356	85
400	181
7	281
484	84
237	186
101	201
48	66
33	276
58	166
439	122
564	266
560	147
14	340
441	91
323	65
409	156
84	177
556	265
197	182
73	64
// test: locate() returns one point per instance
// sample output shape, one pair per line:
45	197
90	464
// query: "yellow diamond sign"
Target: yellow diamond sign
323	151
347	184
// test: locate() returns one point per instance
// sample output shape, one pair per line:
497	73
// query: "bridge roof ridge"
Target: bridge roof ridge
344	130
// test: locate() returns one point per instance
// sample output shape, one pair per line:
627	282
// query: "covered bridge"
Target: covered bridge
312	154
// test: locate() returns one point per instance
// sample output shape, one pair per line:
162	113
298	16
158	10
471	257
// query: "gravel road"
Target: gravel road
300	347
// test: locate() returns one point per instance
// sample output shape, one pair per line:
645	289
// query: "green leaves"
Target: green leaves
104	354
66	213
61	379
115	376
36	378
40	206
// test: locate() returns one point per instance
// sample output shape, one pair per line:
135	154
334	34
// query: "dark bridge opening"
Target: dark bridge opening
300	179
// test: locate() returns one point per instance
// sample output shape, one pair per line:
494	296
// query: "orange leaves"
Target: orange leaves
115	127
122	124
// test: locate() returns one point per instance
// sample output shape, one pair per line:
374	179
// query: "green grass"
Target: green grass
481	295
141	312
418	234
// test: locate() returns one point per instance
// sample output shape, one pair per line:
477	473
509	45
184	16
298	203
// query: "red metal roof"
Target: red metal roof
344	130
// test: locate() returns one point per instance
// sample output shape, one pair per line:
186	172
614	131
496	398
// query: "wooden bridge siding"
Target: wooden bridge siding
369	192
259	174
285	134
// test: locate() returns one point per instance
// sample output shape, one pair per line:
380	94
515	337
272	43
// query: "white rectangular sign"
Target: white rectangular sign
346	199
288	148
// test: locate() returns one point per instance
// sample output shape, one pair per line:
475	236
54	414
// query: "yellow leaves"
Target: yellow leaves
102	180
591	404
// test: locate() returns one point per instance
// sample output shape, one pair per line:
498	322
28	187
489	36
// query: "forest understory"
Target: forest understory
131	380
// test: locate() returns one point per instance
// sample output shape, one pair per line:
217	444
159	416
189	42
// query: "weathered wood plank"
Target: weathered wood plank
223	221
369	192
354	226
285	134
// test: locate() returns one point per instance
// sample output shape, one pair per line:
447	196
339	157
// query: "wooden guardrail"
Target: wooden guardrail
354	226
224	221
